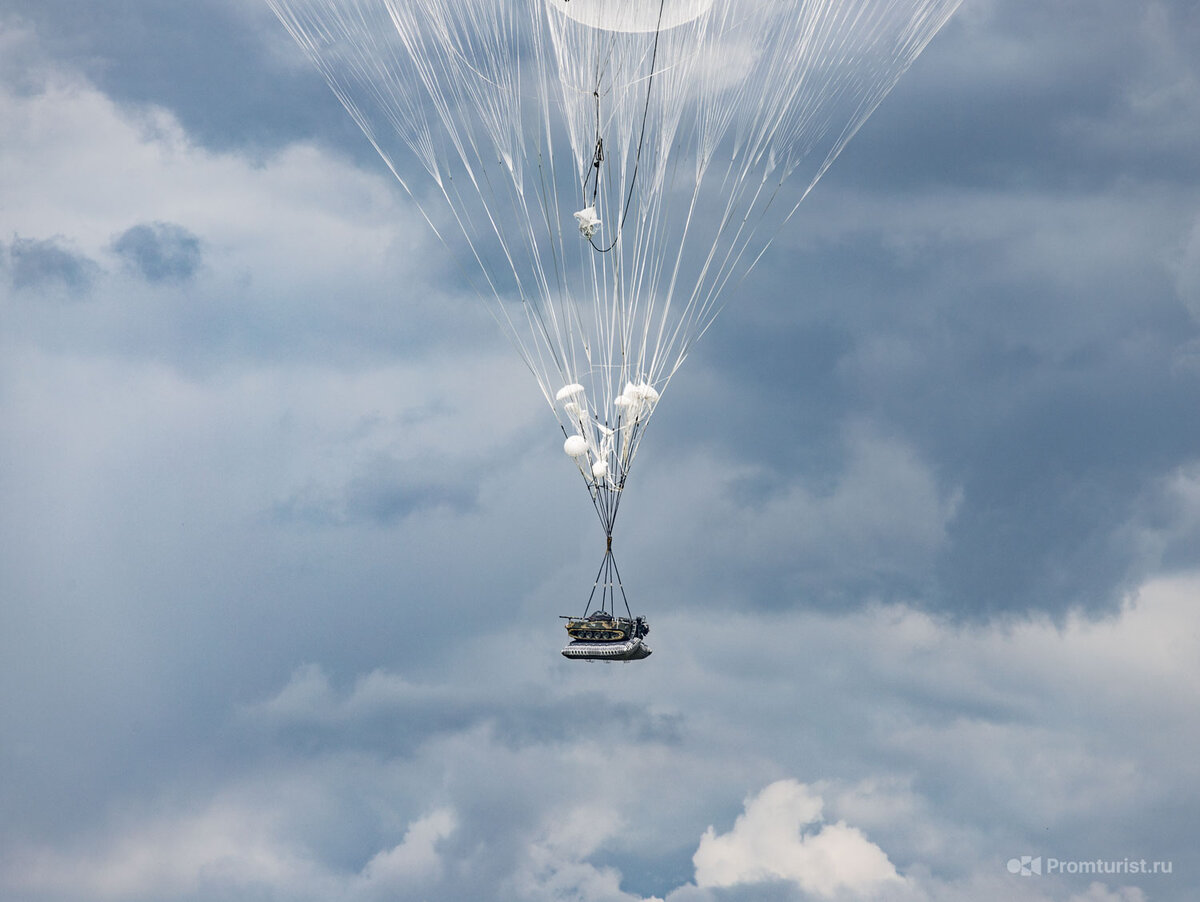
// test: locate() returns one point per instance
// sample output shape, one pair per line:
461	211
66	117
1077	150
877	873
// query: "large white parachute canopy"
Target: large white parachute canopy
609	169
623	15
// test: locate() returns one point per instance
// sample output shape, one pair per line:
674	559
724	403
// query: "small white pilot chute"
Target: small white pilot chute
589	223
569	391
576	446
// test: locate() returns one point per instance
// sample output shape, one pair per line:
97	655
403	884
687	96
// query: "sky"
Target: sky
285	527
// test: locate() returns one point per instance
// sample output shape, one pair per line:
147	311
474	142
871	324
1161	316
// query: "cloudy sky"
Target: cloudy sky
285	527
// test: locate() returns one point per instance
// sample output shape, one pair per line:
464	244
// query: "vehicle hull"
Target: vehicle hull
629	650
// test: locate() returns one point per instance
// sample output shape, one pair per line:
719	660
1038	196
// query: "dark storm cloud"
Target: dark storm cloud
1055	411
160	251
35	263
1020	92
210	63
385	491
388	492
380	498
1053	485
388	714
1006	304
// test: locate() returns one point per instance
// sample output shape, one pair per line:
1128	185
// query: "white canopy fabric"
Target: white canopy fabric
608	170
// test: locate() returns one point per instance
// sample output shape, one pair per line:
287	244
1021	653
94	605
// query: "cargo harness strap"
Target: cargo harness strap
608	581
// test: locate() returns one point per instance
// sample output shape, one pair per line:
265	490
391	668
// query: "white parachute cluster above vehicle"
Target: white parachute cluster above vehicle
607	170
602	451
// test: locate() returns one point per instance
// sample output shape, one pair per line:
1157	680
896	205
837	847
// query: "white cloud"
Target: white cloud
416	859
73	161
769	841
229	843
299	255
554	865
902	727
241	843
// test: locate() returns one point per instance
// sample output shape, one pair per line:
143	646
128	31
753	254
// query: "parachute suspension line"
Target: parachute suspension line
637	159
608	583
597	156
504	104
605	500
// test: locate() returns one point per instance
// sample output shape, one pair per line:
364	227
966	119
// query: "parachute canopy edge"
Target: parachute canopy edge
631	15
569	391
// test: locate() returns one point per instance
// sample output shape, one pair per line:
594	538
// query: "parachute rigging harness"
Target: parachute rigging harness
603	635
588	221
602	449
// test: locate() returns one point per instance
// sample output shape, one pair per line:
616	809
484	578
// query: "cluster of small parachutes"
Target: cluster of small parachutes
603	452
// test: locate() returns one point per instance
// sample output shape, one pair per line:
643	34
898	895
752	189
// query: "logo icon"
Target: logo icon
1026	865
